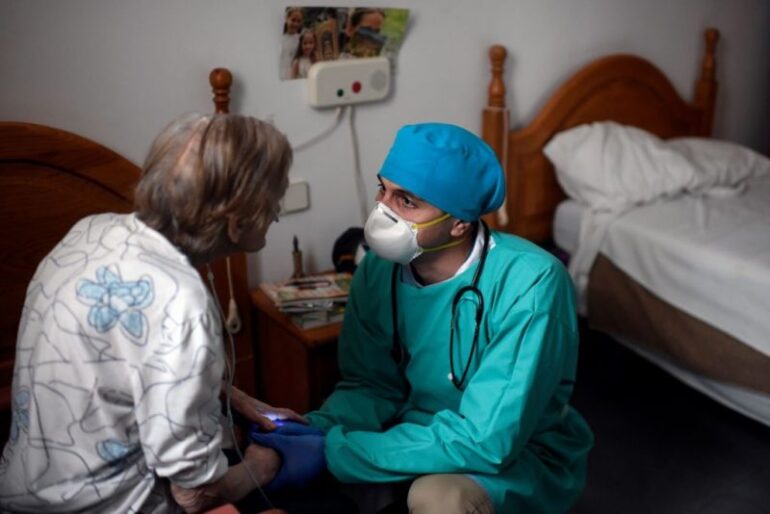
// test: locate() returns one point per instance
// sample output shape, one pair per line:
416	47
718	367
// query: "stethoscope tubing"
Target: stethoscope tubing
398	352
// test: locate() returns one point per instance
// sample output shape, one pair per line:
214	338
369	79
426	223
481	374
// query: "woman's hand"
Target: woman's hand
261	413
263	462
259	464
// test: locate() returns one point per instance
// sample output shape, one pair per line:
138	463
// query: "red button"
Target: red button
356	87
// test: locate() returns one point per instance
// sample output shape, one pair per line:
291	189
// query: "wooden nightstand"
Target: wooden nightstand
296	368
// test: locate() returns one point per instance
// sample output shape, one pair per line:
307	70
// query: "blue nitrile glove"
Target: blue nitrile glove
285	427
302	458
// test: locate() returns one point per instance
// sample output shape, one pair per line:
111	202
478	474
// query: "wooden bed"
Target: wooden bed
631	91
621	88
49	179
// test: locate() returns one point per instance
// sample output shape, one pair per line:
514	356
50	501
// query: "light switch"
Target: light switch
297	197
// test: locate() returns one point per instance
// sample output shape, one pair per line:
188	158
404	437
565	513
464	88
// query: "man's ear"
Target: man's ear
460	228
234	229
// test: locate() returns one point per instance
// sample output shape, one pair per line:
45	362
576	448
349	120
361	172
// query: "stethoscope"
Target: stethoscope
398	351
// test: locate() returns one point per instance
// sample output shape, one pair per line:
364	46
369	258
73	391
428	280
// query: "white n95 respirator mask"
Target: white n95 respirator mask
395	239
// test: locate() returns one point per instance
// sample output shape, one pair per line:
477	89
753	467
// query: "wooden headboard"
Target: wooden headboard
49	179
621	88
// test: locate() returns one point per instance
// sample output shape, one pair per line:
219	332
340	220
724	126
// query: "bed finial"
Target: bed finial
712	37
496	91
221	79
706	87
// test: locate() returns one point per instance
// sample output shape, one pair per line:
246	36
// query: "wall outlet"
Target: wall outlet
348	81
297	198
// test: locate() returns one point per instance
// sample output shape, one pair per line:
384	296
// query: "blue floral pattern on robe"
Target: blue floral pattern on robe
116	383
20	414
114	302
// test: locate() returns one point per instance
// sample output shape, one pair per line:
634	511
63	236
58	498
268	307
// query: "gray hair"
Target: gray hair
203	169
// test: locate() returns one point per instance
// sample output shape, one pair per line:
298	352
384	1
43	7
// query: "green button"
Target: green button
340	92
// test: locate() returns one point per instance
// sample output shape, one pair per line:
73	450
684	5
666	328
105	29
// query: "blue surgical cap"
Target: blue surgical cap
448	167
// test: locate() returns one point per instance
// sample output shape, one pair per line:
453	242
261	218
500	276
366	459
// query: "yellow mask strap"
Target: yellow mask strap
432	222
444	246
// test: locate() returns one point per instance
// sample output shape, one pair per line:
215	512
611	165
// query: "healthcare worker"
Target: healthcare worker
120	354
459	345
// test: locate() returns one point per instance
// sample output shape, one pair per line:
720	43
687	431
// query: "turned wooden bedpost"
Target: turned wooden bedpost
235	267
706	86
221	79
494	123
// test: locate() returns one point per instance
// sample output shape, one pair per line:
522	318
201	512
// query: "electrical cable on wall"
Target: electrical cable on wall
360	184
315	139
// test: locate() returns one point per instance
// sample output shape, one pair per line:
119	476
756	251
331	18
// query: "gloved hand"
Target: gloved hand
259	412
286	427
302	456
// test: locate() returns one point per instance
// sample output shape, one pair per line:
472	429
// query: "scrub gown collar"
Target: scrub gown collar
407	276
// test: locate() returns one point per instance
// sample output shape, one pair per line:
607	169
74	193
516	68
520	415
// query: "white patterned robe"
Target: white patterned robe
119	361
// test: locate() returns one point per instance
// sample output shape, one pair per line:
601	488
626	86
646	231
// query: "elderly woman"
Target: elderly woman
120	354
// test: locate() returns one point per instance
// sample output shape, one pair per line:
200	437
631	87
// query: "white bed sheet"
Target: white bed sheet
706	255
709	256
691	244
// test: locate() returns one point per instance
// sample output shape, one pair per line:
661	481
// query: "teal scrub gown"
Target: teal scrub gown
511	429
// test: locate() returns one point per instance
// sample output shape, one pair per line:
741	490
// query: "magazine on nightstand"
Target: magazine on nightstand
311	301
315	319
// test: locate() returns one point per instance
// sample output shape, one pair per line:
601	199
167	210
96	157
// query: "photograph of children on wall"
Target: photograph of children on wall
313	34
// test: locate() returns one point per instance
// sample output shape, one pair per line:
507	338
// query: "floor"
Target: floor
661	447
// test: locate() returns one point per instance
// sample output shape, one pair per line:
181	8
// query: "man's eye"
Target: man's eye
407	202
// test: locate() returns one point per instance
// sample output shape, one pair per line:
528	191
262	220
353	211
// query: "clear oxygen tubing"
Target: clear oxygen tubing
229	378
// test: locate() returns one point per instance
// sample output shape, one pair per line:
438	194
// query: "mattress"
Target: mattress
696	353
626	301
708	256
752	404
621	306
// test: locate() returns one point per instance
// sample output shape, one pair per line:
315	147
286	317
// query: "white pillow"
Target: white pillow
720	164
609	166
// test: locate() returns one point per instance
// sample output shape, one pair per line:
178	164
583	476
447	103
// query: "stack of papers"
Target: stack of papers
311	301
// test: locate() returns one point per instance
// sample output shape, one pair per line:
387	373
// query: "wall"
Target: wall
116	71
